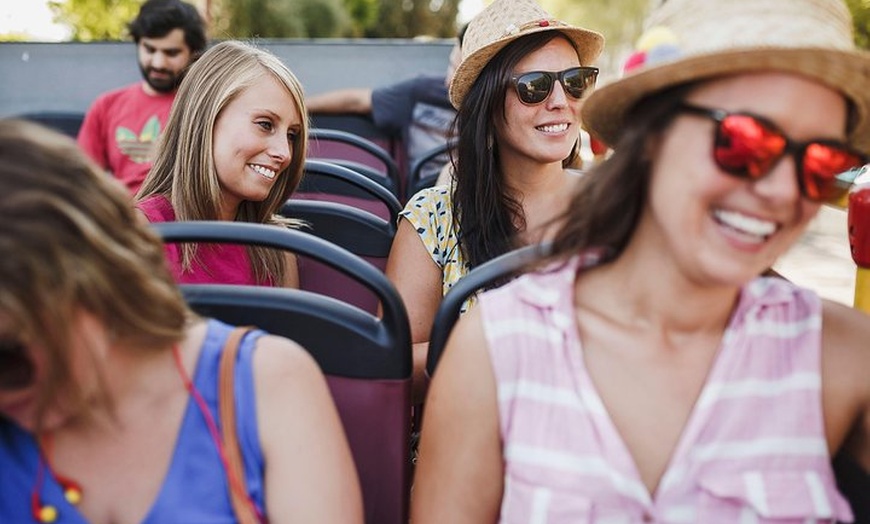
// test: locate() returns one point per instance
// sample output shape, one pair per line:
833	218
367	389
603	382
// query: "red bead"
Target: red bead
544	23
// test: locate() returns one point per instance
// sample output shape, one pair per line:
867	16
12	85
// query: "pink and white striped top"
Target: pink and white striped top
753	449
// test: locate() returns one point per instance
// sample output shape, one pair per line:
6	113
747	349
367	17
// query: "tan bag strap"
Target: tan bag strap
243	506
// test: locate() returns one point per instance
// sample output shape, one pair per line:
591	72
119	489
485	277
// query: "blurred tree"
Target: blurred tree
861	17
15	36
92	20
323	18
278	18
620	22
414	18
362	13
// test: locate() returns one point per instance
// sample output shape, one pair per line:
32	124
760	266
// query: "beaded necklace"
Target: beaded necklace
72	491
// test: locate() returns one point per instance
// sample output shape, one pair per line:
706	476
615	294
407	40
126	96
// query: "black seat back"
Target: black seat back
366	358
363	234
330	182
493	271
422	175
355	152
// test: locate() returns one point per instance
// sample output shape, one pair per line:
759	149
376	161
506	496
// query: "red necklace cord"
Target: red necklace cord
235	483
72	492
40	513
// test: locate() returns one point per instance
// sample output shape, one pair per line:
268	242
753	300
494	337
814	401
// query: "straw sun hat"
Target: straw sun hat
693	40
502	22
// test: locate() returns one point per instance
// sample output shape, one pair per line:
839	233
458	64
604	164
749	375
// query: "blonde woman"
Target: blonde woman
233	149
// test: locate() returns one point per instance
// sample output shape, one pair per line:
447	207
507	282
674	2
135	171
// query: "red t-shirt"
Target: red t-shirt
120	129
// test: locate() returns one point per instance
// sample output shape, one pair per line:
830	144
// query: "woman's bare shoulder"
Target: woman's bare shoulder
845	331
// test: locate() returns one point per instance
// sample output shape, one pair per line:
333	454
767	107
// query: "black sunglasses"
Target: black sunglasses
16	367
749	146
535	86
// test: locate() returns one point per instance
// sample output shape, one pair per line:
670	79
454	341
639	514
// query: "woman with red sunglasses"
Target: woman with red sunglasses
518	93
645	372
109	383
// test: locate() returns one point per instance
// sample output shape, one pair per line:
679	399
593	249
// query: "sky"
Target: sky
467	9
34	18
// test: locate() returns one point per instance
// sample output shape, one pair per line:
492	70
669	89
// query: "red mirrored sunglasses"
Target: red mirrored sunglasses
749	146
16	367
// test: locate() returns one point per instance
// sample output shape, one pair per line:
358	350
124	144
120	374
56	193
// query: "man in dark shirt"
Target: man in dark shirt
417	109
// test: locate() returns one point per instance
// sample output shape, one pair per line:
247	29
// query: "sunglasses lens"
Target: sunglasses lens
534	88
828	170
577	81
747	147
16	368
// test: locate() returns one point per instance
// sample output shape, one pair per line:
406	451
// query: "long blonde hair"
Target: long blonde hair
184	171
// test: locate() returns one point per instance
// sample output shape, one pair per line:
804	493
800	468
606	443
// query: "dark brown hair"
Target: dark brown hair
488	217
605	210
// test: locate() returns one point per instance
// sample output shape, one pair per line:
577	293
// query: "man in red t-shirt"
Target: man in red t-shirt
121	127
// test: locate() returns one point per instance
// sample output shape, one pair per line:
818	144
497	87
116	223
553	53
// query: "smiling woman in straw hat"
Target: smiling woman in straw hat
517	91
646	373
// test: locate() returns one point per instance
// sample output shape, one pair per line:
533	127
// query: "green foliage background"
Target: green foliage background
95	19
619	20
861	16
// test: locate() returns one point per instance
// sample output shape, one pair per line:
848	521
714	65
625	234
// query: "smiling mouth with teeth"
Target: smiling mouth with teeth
555	128
265	171
744	224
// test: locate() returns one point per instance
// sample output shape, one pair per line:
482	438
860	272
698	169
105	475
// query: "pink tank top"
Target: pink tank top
753	449
214	264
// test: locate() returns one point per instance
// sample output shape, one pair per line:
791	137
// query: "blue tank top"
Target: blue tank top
195	488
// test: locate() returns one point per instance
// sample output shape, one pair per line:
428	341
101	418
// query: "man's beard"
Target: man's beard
166	84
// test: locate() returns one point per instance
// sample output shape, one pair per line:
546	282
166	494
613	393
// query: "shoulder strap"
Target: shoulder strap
243	506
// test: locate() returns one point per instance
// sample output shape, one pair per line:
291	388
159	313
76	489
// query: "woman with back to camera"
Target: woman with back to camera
108	382
518	91
233	149
647	373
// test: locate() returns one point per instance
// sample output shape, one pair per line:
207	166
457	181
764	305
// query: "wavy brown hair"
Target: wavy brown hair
71	242
604	211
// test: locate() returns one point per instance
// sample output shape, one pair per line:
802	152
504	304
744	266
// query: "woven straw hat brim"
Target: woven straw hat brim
604	112
589	45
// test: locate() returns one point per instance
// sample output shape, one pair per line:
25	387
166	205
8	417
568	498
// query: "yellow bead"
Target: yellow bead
47	514
73	496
